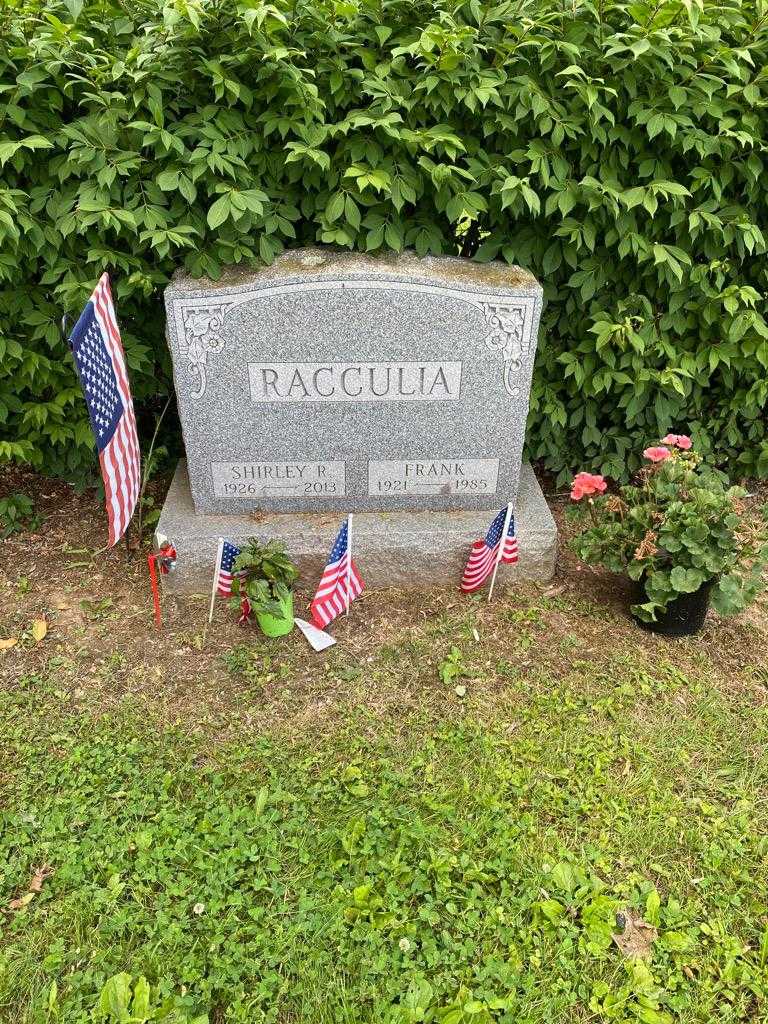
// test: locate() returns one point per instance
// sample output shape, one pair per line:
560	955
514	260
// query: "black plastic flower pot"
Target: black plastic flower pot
683	617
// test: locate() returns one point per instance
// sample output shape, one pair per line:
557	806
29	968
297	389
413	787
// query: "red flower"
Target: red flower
681	441
657	454
587	483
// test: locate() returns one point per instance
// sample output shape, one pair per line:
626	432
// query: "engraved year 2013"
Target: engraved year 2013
242	490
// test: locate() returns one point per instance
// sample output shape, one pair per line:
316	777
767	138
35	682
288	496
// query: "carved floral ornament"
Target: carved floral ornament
507	331
202	333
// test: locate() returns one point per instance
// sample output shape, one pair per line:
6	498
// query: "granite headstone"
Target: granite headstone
337	382
353	383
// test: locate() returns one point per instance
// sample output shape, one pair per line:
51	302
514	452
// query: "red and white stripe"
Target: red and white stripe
332	597
224	585
120	459
482	560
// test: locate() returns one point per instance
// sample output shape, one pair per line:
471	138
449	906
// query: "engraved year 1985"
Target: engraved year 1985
433	476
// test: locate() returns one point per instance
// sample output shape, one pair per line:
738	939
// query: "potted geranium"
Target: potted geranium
680	531
263	585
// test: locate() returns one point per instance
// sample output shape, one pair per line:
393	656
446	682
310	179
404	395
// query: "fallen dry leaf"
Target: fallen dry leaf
39	629
21	902
5	645
637	937
35	886
40	875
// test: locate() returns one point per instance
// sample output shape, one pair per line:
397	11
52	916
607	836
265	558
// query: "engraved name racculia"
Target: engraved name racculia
355	382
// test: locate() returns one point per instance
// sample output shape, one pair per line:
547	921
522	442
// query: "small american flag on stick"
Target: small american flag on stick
98	351
340	583
223	574
226	560
488	552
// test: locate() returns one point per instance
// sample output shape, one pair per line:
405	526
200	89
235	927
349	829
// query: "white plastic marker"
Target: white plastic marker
318	638
217	563
348	580
502	542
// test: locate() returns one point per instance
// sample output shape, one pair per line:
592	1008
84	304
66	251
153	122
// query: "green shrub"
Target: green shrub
17	513
618	150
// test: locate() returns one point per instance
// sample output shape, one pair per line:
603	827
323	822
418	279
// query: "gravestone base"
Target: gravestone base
410	550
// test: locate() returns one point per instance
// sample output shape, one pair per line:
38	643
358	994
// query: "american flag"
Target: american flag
98	352
332	597
485	552
225	576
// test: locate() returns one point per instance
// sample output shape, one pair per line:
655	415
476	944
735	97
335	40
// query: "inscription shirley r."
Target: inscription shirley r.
249	480
355	382
433	476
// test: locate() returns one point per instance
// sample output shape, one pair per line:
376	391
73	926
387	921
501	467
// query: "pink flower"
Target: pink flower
657	454
681	441
587	483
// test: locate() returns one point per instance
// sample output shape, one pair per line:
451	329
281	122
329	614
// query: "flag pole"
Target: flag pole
500	555
219	551
349	562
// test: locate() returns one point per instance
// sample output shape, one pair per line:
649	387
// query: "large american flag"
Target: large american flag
485	553
332	595
100	362
226	560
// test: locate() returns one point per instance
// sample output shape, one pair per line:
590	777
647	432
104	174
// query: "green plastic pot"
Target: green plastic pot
277	625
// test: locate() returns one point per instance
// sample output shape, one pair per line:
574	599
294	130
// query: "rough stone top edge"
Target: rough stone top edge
296	265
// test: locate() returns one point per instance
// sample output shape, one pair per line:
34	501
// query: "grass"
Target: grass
464	861
438	819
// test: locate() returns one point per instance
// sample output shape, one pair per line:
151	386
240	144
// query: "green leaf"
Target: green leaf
140	1008
115	997
686	581
219	211
351	212
8	149
168	180
335	207
652	905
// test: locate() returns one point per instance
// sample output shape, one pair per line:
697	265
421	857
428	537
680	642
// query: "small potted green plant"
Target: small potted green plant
263	584
680	531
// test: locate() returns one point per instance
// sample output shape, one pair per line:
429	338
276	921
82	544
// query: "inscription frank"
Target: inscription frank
433	476
355	382
250	480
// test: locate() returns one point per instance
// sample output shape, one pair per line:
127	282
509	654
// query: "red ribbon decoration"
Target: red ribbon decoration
166	557
245	612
